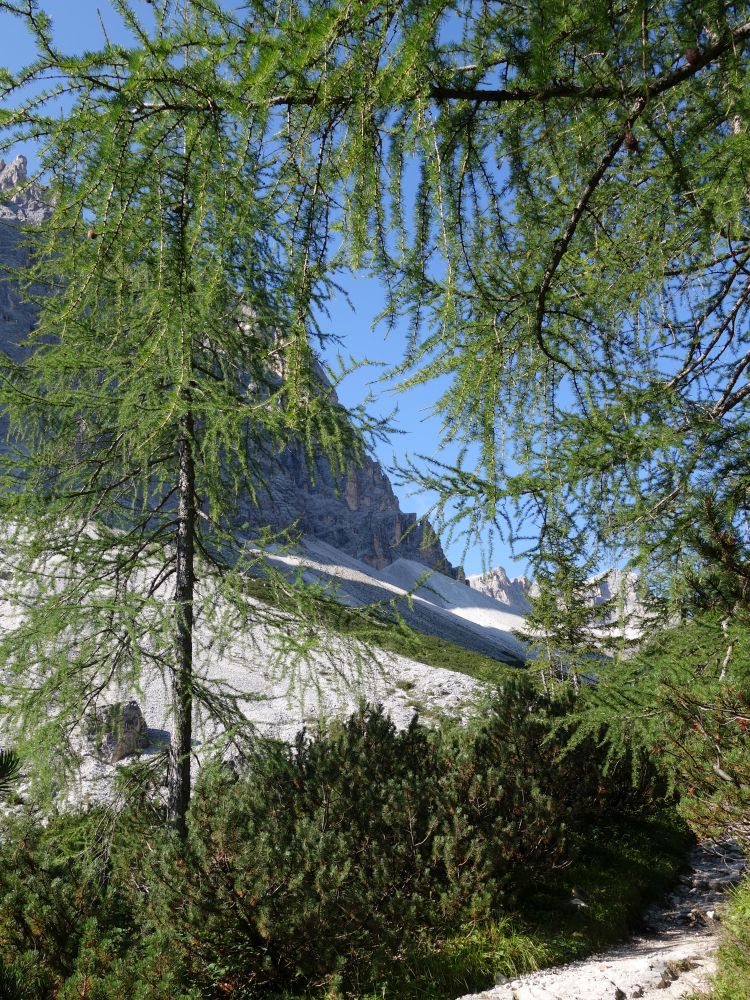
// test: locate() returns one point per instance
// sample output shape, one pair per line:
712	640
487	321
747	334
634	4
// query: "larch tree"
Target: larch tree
556	196
578	275
569	628
174	284
576	264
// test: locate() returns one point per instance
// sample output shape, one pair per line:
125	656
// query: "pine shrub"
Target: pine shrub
733	978
317	868
326	861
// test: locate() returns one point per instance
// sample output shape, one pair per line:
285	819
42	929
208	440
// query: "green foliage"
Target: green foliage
360	856
733	978
620	869
69	910
21	980
52	894
592	380
321	861
330	861
171	362
576	272
566	630
682	701
10	768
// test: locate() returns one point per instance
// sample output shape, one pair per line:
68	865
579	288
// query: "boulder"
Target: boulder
116	731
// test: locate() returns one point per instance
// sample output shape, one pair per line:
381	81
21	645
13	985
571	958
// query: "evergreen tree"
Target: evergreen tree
575	273
569	627
575	270
174	284
575	265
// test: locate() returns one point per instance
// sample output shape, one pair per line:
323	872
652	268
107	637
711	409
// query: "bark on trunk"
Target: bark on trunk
182	679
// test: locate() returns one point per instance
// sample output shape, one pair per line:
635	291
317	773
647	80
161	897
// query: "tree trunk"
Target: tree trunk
182	678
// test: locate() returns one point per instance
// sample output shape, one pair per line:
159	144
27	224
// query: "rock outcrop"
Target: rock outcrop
21	203
21	200
621	587
357	512
496	583
116	731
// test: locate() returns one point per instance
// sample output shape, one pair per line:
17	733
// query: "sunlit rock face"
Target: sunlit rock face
21	200
496	583
356	512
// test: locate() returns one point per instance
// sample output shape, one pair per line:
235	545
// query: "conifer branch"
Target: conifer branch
564	241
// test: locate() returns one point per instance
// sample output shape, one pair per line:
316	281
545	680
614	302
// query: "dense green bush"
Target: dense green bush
323	863
69	922
684	700
319	868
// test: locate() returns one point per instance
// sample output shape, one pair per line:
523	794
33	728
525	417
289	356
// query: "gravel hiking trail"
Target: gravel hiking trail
674	956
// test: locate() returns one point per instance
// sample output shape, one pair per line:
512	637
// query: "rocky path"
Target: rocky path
675	957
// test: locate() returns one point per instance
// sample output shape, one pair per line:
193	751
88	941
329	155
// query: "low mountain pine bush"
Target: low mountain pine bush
317	868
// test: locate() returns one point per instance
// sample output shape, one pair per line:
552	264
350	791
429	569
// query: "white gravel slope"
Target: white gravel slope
458	598
439	606
281	699
280	694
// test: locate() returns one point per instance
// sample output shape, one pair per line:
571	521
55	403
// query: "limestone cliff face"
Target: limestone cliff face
21	203
21	200
496	583
357	512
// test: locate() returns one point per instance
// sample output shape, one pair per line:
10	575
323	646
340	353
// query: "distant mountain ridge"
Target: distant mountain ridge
496	583
620	586
21	200
357	512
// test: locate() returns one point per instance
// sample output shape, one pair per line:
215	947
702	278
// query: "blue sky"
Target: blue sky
78	25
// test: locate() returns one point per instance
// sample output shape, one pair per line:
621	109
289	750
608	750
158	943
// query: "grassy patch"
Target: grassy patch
436	652
733	980
403	685
619	871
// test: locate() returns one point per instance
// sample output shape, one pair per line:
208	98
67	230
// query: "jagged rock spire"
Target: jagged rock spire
21	200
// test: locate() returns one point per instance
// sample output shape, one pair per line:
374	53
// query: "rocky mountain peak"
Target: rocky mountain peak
21	200
496	583
12	174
